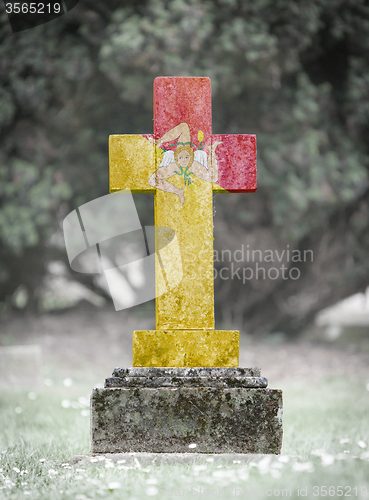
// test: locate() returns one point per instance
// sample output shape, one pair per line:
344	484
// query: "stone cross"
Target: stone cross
183	164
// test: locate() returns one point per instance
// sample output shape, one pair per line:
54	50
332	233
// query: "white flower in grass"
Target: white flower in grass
264	465
65	403
67	382
192	446
24	484
42	460
32	396
85	413
344	440
121	461
362	444
18	409
16	470
94	460
152	480
25	492
303	467
52	472
114	485
109	465
152	491
327	460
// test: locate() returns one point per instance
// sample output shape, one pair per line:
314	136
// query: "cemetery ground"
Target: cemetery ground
326	427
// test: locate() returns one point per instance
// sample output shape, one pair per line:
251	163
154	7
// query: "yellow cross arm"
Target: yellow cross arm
132	160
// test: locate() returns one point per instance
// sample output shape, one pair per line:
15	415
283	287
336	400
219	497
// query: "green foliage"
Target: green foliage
309	165
31	198
294	73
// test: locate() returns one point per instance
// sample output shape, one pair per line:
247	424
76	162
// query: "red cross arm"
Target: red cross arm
236	158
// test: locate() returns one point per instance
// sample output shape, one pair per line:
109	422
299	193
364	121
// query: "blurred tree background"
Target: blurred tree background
294	73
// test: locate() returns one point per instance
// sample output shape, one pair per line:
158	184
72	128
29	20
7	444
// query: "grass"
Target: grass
323	424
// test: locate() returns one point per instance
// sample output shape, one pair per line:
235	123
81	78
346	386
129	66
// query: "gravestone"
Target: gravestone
185	386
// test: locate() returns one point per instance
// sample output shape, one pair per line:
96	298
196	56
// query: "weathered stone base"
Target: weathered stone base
218	418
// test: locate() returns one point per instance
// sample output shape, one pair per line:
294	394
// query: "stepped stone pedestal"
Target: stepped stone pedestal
158	410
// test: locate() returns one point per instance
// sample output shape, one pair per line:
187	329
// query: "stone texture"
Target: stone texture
186	372
186	377
186	382
180	348
169	419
